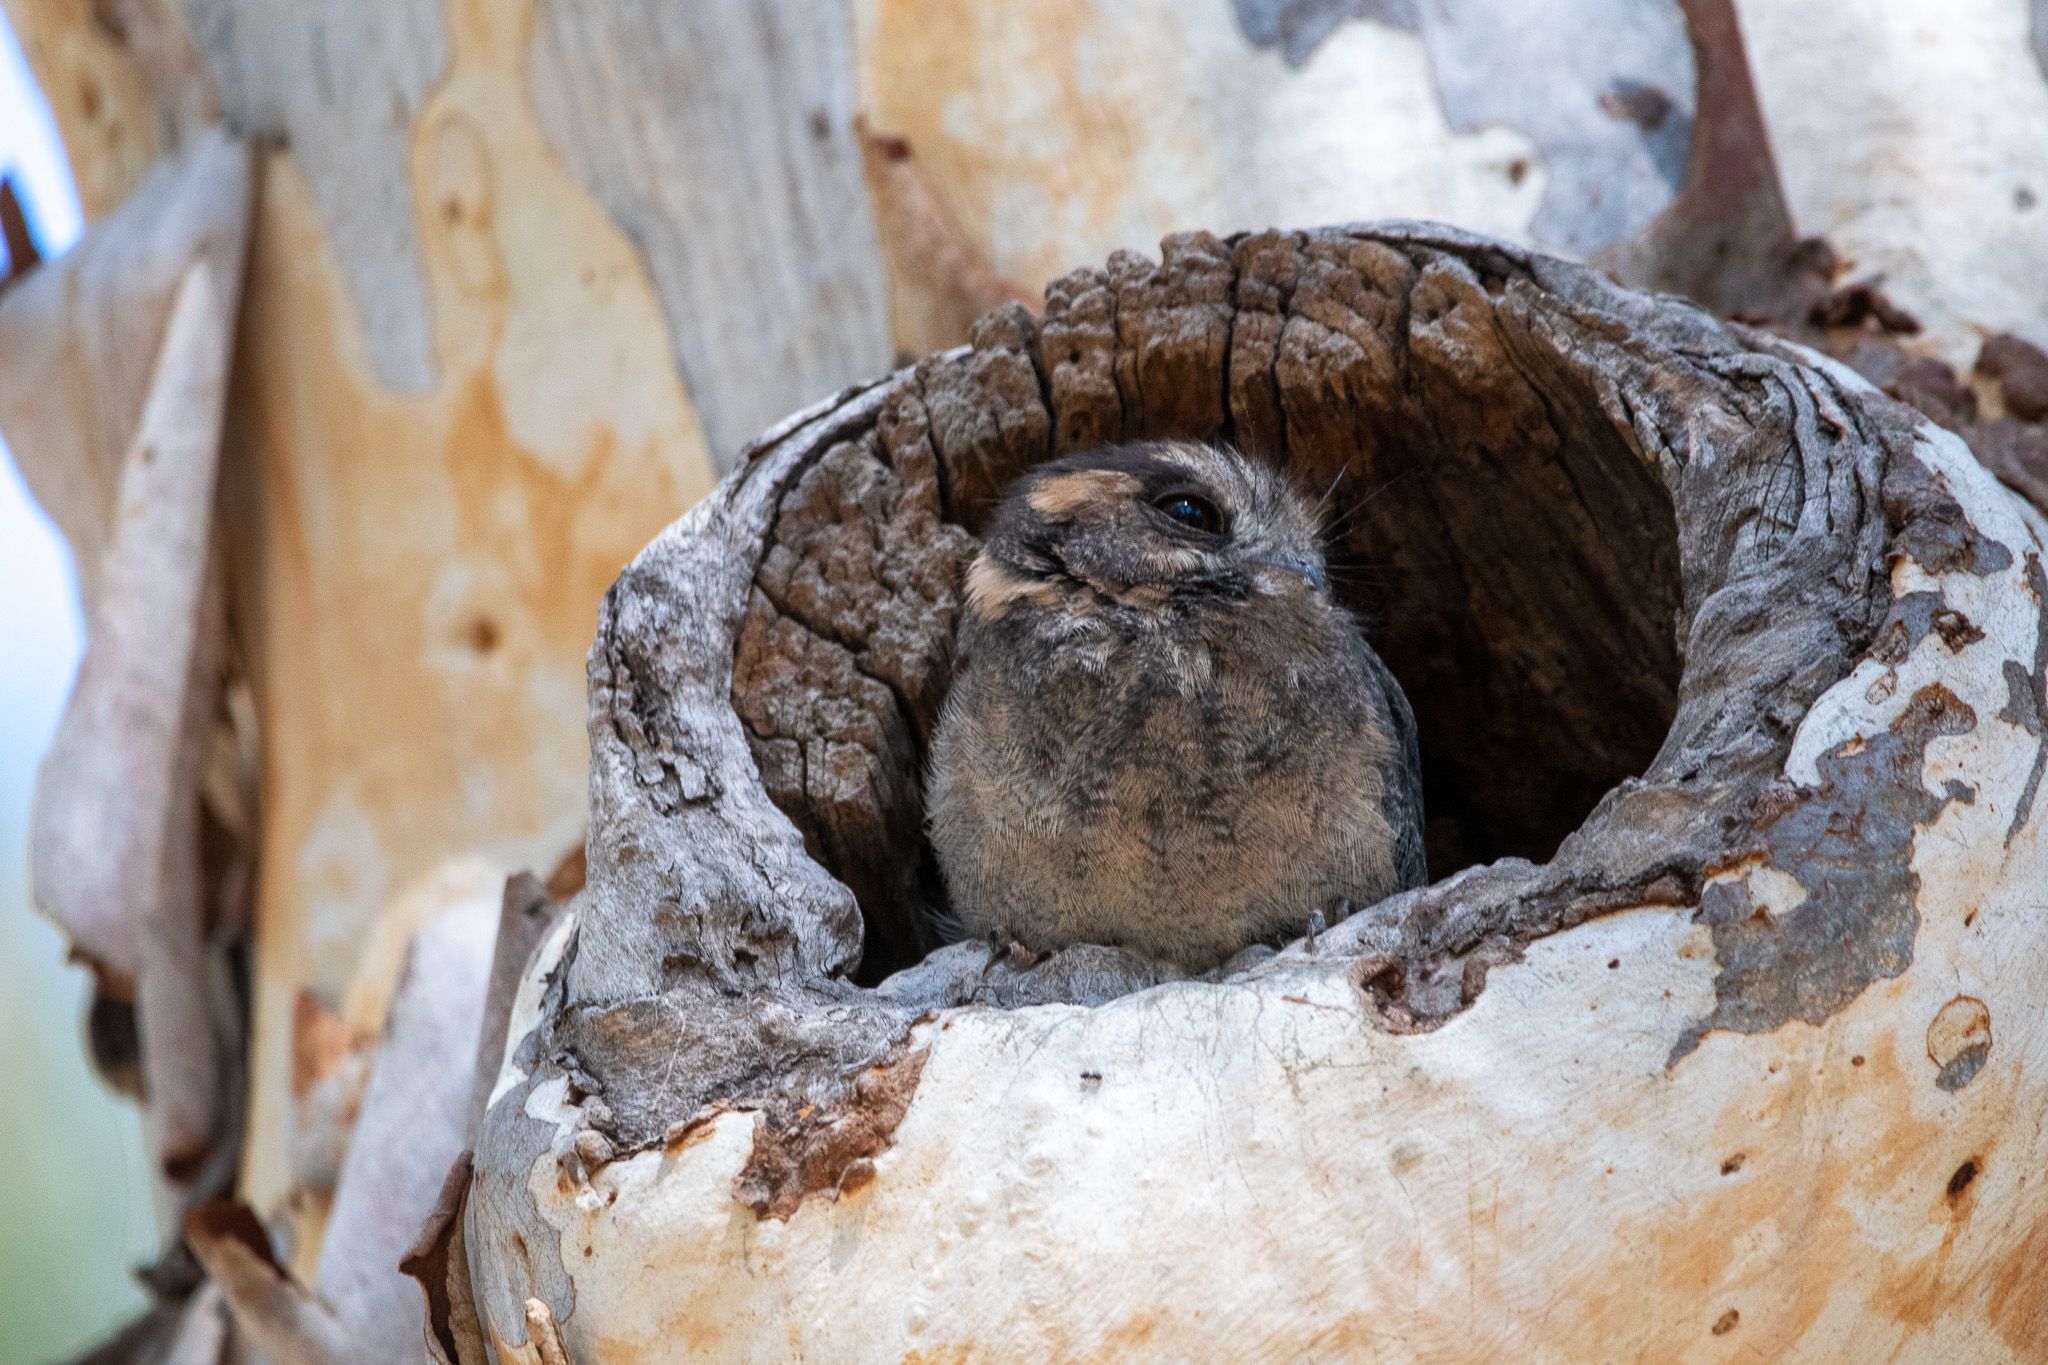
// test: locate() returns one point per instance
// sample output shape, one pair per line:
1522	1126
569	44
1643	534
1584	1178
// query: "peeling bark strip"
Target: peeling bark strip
439	1261
276	1314
142	318
1615	549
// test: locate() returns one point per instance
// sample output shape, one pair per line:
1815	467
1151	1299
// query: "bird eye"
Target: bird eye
1197	514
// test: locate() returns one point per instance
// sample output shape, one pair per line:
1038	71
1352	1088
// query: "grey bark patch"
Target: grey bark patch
2022	698
274	62
2026	697
1298	27
1912	618
1959	1042
1963	1067
2037	34
1907	623
671	115
1849	843
1666	136
1542	70
515	1253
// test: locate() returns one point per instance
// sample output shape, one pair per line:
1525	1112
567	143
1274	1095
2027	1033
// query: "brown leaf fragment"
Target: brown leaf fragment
569	874
320	1042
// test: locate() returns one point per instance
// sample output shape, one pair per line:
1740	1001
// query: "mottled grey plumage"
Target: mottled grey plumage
1162	733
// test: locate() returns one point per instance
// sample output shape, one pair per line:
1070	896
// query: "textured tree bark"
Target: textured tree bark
522	277
1729	668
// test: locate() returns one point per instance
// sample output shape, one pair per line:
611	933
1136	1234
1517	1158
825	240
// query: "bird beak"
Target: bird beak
1301	566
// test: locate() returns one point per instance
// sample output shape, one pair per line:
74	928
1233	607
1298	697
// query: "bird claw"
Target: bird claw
1008	952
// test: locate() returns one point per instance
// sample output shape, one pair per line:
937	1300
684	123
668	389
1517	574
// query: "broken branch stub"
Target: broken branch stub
1678	608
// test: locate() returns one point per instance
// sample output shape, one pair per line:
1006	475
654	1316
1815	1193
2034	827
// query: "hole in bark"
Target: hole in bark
1517	455
1960	1181
1495	526
1518	571
1501	430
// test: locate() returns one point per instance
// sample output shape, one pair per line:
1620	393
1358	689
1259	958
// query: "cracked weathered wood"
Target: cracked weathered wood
1659	591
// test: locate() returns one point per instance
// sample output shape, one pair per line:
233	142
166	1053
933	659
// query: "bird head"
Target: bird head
1150	525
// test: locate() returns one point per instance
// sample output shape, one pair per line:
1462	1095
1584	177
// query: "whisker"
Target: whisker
1344	519
1316	516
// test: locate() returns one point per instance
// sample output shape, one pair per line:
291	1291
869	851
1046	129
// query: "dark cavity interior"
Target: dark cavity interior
1523	585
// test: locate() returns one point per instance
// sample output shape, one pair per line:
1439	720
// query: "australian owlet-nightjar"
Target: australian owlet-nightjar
1162	732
